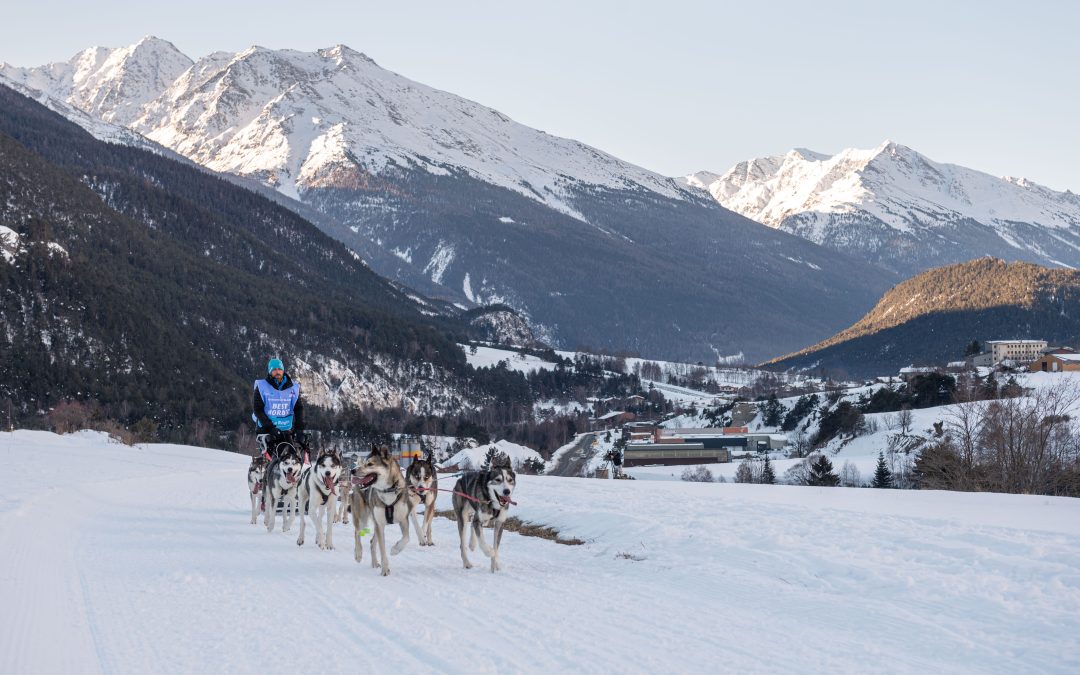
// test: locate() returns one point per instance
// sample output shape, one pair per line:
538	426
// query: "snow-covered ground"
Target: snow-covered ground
120	559
474	457
484	357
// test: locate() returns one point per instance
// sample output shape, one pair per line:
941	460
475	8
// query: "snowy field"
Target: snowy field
141	560
485	357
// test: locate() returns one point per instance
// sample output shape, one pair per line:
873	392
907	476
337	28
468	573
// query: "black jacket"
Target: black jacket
260	410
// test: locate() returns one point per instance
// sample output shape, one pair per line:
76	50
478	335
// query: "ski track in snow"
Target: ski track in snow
118	559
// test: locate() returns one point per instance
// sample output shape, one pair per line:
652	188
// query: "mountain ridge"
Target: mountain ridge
932	317
894	206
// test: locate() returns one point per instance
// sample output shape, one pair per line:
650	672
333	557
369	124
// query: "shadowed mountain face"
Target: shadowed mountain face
453	198
931	318
130	277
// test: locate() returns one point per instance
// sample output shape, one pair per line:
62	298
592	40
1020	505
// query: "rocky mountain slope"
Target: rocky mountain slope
893	206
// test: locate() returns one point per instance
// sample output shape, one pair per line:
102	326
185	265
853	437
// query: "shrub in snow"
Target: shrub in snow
798	474
745	472
697	474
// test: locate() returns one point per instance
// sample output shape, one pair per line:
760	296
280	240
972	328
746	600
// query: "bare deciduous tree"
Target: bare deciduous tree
904	420
850	476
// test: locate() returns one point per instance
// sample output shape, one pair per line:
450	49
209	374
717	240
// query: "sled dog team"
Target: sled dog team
378	494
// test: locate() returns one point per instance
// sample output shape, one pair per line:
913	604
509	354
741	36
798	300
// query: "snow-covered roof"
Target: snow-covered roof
1072	358
910	370
613	413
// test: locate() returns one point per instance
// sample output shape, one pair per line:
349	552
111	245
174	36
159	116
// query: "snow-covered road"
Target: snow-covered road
141	560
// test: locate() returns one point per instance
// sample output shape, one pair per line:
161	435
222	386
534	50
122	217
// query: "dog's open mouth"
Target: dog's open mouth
290	478
365	480
328	482
504	500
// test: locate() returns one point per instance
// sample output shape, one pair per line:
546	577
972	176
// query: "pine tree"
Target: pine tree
882	475
821	473
489	457
768	476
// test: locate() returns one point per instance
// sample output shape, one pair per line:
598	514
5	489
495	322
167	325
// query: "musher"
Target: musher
279	411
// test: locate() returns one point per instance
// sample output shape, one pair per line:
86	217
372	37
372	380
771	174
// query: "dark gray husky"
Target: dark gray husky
423	489
483	497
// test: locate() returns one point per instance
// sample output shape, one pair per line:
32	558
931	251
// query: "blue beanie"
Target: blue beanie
274	363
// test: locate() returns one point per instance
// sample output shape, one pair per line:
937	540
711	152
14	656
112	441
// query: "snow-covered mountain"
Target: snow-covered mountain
300	120
893	205
109	83
434	190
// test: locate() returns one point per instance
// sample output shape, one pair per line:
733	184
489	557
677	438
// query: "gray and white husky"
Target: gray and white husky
282	476
379	498
423	489
484	497
256	472
317	497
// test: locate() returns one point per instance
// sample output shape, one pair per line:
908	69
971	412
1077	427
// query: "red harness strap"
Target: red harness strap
462	494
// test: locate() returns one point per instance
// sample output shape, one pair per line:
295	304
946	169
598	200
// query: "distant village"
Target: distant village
649	442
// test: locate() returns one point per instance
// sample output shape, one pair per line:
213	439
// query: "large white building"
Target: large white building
1021	351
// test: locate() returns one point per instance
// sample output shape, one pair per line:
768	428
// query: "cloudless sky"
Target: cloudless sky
674	87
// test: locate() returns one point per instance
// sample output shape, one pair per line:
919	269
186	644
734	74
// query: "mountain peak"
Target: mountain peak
345	52
808	155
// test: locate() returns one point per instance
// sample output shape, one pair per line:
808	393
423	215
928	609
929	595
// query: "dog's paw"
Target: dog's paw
399	547
468	565
299	541
386	571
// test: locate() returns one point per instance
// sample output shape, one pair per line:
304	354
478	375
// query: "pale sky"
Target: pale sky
674	87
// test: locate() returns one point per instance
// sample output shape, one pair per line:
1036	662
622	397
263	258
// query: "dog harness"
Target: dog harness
391	505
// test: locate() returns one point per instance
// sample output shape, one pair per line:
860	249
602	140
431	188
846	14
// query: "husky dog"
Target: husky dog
483	497
423	489
280	482
317	497
379	497
345	488
256	471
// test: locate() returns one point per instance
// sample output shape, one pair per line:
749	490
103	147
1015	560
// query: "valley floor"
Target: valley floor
123	560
